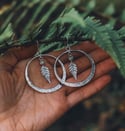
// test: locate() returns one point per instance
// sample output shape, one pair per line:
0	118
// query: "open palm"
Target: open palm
22	108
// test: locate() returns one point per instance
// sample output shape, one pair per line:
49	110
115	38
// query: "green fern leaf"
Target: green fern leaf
6	34
121	33
116	49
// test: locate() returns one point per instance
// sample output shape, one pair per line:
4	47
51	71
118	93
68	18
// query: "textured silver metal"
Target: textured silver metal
39	89
73	69
46	73
77	84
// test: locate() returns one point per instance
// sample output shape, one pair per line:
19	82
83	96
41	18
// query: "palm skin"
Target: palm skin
23	109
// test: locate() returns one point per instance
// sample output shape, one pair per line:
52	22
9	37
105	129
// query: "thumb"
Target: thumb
14	55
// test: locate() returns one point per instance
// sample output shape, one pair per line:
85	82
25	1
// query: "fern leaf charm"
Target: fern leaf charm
45	72
73	69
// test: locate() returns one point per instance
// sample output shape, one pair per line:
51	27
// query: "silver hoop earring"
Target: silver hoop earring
45	72
73	68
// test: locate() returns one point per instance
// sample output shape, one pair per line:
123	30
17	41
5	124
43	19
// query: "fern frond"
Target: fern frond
6	34
116	49
121	33
108	39
93	29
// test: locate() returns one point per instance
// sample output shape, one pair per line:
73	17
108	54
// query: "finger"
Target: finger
102	68
11	57
88	90
85	46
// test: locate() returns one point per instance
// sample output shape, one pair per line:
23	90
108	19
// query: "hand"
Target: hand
23	109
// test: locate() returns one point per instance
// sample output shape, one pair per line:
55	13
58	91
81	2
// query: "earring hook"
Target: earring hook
67	44
38	47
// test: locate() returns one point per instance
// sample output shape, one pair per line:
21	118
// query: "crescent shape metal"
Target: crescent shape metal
77	84
40	89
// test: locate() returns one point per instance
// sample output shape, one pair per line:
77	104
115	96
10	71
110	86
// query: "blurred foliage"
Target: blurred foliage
64	21
25	21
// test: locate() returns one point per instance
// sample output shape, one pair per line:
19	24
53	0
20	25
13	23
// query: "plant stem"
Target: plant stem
17	43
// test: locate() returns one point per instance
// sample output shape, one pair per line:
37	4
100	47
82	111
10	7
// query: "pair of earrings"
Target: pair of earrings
62	81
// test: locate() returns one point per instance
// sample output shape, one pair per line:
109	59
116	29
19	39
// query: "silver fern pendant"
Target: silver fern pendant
73	69
45	72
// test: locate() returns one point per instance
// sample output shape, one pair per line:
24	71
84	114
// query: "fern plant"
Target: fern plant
52	22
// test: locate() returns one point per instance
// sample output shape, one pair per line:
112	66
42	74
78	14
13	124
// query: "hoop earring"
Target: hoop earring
45	72
73	68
